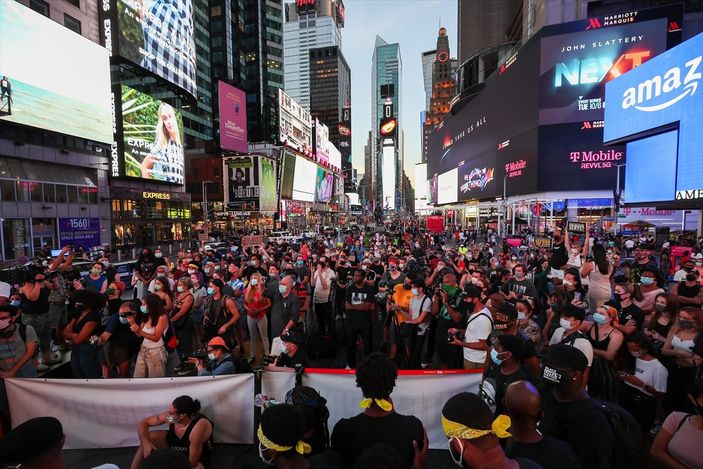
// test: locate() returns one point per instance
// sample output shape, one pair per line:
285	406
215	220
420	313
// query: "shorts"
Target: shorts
57	315
120	354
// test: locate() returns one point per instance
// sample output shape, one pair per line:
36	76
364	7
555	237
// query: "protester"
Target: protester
219	360
151	360
121	345
360	307
680	346
256	304
605	340
506	354
85	356
315	415
36	443
280	437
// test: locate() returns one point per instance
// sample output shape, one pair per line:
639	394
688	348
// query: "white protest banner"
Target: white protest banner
276	384
419	393
103	413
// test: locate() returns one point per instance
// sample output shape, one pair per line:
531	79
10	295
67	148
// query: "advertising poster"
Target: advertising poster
447	187
83	232
288	175
432	190
574	68
52	78
477	180
388	177
157	35
324	185
345	136
517	161
241	183
322	142
153	136
305	178
233	118
267	198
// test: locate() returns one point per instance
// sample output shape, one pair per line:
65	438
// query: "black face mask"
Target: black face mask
406	286
691	278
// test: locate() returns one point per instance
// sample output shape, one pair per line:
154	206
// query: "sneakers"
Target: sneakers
42	367
424	365
186	369
178	368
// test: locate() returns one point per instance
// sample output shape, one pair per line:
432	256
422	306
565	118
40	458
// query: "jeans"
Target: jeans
151	362
352	334
260	325
85	361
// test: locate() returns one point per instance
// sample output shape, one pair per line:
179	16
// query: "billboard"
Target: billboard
304	180
52	78
233	117
241	183
447	187
157	35
294	125
345	138
152	138
267	193
656	109
322	142
574	68
335	156
287	175
388	162
324	185
83	232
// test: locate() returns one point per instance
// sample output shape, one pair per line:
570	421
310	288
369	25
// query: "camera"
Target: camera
455	335
201	355
268	360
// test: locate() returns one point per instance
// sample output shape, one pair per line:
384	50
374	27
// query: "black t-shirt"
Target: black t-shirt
550	453
559	256
632	312
250	270
355	295
493	387
581	424
352	436
345	275
300	358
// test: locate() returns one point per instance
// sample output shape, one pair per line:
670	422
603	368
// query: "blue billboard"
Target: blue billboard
656	108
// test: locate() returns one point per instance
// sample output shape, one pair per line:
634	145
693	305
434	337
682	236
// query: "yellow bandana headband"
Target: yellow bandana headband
499	428
301	447
382	403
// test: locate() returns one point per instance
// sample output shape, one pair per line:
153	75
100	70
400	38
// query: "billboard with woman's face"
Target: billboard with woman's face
153	138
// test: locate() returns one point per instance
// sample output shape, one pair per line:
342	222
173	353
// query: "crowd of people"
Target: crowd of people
593	321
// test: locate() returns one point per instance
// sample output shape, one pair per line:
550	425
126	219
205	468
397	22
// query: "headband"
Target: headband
382	403
499	428
301	447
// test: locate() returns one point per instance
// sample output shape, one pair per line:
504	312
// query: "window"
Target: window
61	197
7	188
49	194
40	6
72	194
75	3
71	23
35	191
215	11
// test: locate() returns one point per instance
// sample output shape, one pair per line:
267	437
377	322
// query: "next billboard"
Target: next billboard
233	117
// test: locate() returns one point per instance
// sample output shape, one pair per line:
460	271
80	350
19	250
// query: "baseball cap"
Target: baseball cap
472	292
564	356
293	337
508	309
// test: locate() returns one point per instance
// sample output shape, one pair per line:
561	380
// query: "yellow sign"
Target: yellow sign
156	195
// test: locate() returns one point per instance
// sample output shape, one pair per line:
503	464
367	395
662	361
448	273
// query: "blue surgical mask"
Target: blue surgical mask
124	320
599	318
646	280
254	282
143	309
16	303
282	289
494	357
210	291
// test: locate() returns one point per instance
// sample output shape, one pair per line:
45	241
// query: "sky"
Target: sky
413	24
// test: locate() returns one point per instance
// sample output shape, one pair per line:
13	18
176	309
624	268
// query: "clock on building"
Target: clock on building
443	56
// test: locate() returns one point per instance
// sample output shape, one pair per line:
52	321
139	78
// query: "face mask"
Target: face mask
474	280
180	289
457	460
282	289
211	356
618	296
191	271
686	324
599	318
284	349
521	316
157	286
252	263
565	324
637	354
171	419
401	266
646	280
574	251
254	282
158	255
210	291
567	283
16	303
364	267
208	271
143	309
407	286
449	289
415	292
659	308
494	357
519	275
392	267
268	462
300	263
5	323
440	266
698	264
96	271
691	278
124	320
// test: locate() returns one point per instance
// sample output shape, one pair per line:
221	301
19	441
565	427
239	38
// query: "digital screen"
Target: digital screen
432	190
661	95
304	180
574	68
52	78
388	163
287	175
345	136
157	35
447	187
324	185
517	164
322	142
153	138
573	157
241	183
267	194
233	118
335	156
420	180
477	180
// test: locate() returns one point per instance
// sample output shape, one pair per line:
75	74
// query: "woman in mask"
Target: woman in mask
181	319
679	346
646	292
85	357
598	272
189	432
666	308
163	291
525	322
96	280
606	341
256	305
151	360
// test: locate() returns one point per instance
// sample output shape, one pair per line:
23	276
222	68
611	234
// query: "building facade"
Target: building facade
330	88
428	59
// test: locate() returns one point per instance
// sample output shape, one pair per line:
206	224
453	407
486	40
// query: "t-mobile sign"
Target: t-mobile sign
233	118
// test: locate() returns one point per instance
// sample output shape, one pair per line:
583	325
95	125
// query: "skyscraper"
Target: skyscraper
330	88
443	88
483	24
309	25
386	78
428	59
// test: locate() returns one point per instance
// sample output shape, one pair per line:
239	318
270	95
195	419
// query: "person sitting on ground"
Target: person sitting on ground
36	443
379	422
280	436
522	403
188	432
474	434
220	360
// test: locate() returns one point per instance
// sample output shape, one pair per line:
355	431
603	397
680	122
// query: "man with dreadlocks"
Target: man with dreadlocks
379	422
280	436
315	413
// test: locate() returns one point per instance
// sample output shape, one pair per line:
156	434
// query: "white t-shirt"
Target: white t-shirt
680	275
629	244
5	290
322	295
425	303
478	327
580	343
652	373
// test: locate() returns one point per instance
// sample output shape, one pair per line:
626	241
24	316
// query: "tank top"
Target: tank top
182	445
661	329
679	344
598	281
256	303
41	306
149	329
599	344
96	283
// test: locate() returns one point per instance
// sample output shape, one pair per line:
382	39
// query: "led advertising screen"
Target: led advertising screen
295	125
267	194
447	187
233	117
573	157
324	185
153	136
574	68
52	78
157	35
388	162
305	179
322	142
656	109
345	137
241	183
288	175
335	156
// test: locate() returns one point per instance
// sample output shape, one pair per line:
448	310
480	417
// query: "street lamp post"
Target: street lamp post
206	217
617	194
505	205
